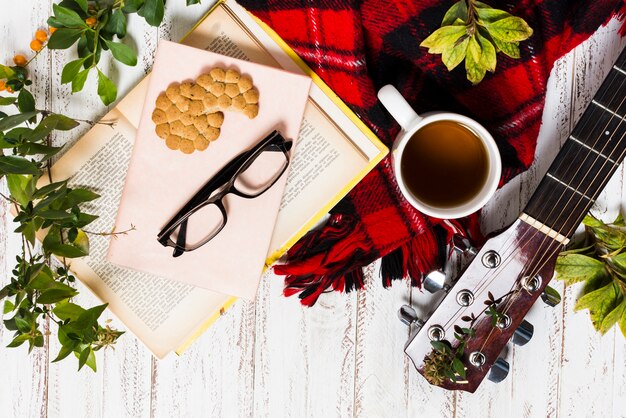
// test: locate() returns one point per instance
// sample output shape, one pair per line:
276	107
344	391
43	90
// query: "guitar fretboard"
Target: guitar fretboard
586	162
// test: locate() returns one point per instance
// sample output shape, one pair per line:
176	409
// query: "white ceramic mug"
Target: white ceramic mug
411	122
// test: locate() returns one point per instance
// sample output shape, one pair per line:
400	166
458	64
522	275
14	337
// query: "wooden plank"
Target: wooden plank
304	357
381	367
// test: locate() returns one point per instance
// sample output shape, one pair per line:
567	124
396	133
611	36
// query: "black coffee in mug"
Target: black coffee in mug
444	164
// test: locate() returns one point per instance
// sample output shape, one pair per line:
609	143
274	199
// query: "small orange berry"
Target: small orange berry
91	21
36	45
19	60
10	89
52	30
41	36
3	85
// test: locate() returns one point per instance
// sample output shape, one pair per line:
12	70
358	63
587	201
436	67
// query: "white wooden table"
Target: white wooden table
342	357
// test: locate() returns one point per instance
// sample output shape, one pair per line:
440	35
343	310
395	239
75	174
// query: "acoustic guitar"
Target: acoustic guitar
461	341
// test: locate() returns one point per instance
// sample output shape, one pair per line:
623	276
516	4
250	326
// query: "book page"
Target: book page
160	312
325	160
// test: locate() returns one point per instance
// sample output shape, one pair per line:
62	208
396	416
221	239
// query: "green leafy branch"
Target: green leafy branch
96	26
475	32
600	263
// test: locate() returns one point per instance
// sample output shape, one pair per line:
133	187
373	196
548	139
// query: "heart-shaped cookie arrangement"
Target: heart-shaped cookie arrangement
189	116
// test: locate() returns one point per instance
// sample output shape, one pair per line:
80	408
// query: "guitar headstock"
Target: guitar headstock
461	341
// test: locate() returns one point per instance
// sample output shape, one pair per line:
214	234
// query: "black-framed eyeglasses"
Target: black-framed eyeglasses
248	175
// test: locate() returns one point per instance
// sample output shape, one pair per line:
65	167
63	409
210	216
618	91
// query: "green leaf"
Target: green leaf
488	57
67	310
592	222
573	268
65	351
82	4
615	316
132	6
152	11
78	248
25	101
71	69
452	57
14	120
39	193
55	215
22	324
19	340
59	122
106	89
6	72
122	53
64	38
79	81
117	24
457	11
475	72
474	48
509	29
619	261
490	15
508	48
443	38
84	356
6	101
458	367
55	295
20	188
77	196
441	346
600	303
10	164
68	18
8	307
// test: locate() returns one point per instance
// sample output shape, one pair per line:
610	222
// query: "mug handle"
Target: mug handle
395	104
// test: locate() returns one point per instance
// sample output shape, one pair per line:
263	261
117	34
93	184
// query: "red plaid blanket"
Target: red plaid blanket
359	46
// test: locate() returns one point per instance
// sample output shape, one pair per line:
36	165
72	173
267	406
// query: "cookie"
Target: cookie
159	116
215	119
218	74
187	115
201	143
251	96
173	142
163	130
163	102
244	83
232	76
186	146
251	110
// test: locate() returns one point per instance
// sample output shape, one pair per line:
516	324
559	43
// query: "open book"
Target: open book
335	151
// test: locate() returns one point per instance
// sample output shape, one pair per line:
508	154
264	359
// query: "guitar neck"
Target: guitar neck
588	159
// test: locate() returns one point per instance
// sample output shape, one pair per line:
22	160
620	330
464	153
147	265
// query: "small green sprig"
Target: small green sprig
36	292
97	26
475	32
600	263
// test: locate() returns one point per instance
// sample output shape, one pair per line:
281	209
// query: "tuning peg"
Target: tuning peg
435	281
463	245
523	333
499	371
551	297
409	317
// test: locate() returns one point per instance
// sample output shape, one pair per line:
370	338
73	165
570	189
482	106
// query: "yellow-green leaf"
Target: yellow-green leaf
490	15
509	29
474	48
574	268
475	73
452	57
443	38
600	303
615	316
457	11
508	48
488	56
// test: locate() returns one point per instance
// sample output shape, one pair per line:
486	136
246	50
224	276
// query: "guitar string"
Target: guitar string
548	255
506	260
